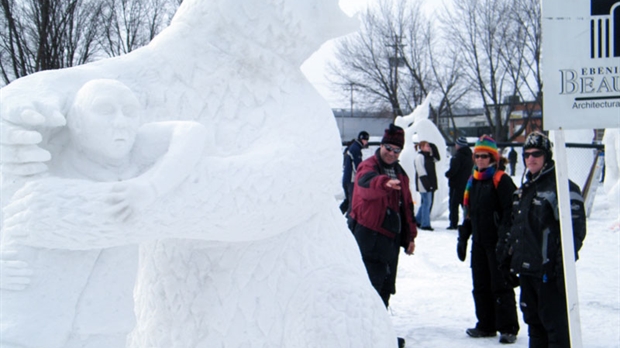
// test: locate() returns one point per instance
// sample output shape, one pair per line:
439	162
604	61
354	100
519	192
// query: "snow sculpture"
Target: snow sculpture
74	297
579	174
271	262
611	140
418	127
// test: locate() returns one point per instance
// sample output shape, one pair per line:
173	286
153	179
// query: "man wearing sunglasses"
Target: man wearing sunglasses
382	213
534	248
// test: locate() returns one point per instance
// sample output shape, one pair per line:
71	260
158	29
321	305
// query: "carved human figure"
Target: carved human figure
84	298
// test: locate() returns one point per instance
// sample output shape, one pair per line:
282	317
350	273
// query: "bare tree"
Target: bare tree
449	83
52	34
484	32
47	34
130	24
371	60
527	14
415	52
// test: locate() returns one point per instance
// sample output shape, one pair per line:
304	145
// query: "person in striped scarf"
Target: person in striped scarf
487	204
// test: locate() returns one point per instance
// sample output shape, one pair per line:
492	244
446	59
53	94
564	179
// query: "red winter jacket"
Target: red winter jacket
373	203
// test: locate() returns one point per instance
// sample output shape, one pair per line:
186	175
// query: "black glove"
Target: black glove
461	249
464	234
509	277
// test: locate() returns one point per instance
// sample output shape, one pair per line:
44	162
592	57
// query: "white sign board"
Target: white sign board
581	64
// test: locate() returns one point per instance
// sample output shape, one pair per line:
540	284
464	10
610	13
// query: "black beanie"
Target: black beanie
363	136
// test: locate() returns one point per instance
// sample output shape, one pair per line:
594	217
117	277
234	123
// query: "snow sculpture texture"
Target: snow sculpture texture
418	127
86	296
250	249
611	140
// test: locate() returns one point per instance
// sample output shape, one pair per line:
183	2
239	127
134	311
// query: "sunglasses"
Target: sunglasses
535	154
483	156
392	149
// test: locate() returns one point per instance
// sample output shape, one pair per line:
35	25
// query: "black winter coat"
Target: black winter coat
534	239
352	158
460	169
490	210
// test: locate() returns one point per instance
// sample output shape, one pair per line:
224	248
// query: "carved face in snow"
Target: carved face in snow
104	119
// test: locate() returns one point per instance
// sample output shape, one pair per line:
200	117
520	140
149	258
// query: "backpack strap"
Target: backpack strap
497	177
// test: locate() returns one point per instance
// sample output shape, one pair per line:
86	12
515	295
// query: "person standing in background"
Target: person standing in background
426	183
512	159
534	249
461	165
352	157
488	204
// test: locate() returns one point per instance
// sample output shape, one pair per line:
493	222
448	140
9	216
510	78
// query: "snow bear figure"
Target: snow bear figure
251	250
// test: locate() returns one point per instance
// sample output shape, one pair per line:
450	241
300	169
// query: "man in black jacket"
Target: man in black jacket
460	170
534	244
352	157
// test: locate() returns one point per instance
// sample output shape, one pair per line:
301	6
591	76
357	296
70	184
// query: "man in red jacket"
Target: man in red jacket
382	212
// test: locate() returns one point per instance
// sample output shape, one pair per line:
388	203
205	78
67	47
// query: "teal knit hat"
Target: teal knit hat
487	144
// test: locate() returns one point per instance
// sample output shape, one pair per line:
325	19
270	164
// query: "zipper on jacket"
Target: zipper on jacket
545	243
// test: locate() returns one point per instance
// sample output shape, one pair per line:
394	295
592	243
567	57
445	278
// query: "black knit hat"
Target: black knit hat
363	136
394	135
537	140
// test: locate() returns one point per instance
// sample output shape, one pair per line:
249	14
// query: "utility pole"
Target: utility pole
396	62
351	86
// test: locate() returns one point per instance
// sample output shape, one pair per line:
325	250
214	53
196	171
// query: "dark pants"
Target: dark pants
494	299
456	200
380	256
513	167
544	310
383	278
345	206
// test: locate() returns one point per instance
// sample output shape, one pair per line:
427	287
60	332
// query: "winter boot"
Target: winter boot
507	338
477	333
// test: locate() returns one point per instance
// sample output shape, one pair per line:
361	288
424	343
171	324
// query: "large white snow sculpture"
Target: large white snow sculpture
277	266
417	128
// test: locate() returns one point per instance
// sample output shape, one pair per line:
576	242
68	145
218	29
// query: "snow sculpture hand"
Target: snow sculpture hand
128	197
22	123
14	274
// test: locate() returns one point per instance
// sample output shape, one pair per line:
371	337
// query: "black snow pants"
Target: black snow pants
494	298
544	310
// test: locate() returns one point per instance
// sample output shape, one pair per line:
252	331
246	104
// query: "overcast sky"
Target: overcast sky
315	67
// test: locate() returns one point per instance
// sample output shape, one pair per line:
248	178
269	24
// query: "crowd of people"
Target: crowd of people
514	232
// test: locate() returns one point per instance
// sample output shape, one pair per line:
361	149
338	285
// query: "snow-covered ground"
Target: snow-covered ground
433	305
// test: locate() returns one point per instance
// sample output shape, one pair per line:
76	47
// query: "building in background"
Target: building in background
351	122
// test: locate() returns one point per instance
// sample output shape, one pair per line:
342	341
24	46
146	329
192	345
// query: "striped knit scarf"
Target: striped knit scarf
477	175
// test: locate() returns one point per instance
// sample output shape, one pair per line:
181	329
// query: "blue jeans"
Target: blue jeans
424	213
